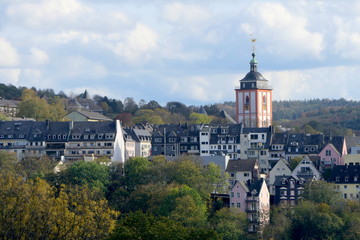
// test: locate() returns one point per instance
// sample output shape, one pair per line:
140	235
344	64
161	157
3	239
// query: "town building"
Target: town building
81	116
254	99
346	180
252	197
9	107
288	189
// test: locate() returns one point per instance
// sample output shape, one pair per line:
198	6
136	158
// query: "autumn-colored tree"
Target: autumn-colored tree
198	118
32	209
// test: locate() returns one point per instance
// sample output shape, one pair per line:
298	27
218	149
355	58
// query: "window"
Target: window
345	195
232	194
238	205
158	140
246	174
253	136
238	195
171	139
345	186
337	179
328	152
346	179
232	174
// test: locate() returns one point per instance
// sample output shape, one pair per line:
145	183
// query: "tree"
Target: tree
321	192
147	115
315	221
125	118
177	107
130	105
62	214
90	174
198	118
152	105
230	223
33	107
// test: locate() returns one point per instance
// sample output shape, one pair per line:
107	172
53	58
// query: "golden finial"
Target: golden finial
253	40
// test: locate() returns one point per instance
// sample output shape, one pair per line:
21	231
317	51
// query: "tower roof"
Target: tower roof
254	79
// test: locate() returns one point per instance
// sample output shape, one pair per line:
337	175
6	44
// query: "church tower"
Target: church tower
254	99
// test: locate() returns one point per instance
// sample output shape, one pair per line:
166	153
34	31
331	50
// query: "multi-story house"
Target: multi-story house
9	107
91	138
306	169
288	189
242	170
277	147
281	168
62	140
300	145
223	140
254	143
138	142
346	179
14	136
253	197
333	153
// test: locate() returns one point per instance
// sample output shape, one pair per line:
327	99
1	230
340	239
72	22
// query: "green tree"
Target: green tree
230	223
33	107
315	221
321	192
198	118
90	174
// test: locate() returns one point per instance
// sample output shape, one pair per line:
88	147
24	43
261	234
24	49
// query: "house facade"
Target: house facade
346	180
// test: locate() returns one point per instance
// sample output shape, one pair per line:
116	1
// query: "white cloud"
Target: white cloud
180	13
38	57
47	12
283	31
81	68
325	82
10	76
347	40
8	54
138	44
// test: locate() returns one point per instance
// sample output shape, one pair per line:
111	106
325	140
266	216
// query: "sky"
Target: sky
194	52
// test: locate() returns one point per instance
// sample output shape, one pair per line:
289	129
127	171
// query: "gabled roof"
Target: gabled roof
245	165
255	186
225	115
91	115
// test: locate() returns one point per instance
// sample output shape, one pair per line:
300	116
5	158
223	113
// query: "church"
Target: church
254	99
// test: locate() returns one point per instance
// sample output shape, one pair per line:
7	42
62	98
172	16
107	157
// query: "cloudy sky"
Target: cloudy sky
194	52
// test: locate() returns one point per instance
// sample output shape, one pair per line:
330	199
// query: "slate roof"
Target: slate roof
15	129
244	165
223	114
352	141
9	103
254	186
351	172
92	115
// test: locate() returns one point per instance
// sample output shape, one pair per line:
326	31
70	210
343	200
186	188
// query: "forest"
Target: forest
148	200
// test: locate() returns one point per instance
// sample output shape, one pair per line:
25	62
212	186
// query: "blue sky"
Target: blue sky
194	52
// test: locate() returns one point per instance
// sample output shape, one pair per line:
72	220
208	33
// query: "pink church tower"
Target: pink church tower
254	99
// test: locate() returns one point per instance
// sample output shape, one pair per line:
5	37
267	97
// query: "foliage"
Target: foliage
10	92
230	223
322	192
83	173
61	214
38	108
145	226
198	118
294	161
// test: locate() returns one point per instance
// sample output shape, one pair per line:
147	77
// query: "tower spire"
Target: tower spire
253	62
